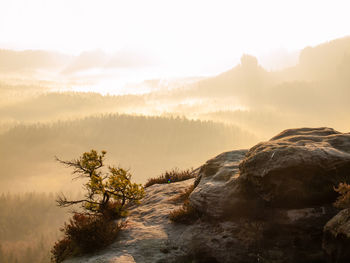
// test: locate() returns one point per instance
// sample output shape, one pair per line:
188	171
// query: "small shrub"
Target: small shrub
61	250
84	234
182	197
186	214
343	200
113	210
102	188
107	196
172	176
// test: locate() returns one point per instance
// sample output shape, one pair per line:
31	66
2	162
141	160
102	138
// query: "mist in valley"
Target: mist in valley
175	123
150	116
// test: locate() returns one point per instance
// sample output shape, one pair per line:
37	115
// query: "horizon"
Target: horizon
175	37
124	73
220	90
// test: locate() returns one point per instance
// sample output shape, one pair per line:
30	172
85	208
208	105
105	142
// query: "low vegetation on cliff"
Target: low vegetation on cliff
107	194
186	214
172	176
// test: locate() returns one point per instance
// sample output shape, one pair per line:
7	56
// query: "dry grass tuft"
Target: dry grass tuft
186	214
182	197
172	176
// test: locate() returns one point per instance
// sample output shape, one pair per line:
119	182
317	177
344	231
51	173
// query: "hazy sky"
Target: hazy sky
208	35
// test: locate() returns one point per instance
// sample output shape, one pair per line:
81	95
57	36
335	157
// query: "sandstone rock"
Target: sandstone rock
217	190
298	167
284	185
287	236
149	234
336	239
295	169
268	204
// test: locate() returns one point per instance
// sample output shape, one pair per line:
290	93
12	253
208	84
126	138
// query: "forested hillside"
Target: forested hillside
146	145
29	226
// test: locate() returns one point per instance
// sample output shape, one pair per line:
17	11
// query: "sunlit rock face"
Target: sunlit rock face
276	197
298	167
149	235
295	169
218	190
266	204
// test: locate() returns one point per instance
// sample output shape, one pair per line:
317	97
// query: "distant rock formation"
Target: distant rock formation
269	204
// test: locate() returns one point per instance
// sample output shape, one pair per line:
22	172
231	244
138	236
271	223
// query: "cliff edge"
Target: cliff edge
270	203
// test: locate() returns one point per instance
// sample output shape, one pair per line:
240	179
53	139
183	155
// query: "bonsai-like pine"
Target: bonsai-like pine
107	194
105	191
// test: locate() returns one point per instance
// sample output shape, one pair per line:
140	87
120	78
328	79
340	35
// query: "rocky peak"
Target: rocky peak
266	204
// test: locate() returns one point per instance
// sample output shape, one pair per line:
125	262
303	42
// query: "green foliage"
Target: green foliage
102	189
84	234
107	195
172	176
343	200
150	144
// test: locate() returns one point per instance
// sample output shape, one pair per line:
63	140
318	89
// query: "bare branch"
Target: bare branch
76	164
63	202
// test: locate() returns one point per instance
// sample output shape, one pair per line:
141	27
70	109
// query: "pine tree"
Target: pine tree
105	191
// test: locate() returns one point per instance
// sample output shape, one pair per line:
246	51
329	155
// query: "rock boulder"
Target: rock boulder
268	204
279	196
298	167
336	238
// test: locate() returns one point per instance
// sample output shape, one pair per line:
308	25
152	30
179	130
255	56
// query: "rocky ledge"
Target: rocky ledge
272	203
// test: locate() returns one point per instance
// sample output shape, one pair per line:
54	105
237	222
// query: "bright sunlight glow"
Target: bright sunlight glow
197	37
